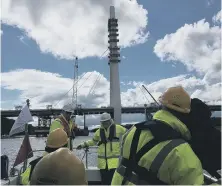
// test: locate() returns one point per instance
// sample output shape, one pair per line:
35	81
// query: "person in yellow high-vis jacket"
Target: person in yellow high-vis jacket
64	122
158	151
56	139
108	138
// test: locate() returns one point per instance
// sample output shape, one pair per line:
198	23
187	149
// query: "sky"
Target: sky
163	44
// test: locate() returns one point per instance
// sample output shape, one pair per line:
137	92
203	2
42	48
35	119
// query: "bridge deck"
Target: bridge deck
88	111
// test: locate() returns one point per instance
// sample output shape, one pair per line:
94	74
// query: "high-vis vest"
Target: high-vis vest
60	122
26	176
157	152
108	142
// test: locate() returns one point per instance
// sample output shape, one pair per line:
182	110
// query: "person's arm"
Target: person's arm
25	176
185	168
93	141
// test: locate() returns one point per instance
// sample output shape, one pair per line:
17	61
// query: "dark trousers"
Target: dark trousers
107	176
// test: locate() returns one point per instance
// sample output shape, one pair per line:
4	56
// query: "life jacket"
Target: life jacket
65	124
129	168
112	136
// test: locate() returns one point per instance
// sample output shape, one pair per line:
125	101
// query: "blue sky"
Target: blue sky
139	63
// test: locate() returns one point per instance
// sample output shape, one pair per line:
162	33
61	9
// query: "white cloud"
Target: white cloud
197	46
44	88
64	29
124	57
217	18
49	88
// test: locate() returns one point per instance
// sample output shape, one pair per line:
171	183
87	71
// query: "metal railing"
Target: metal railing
86	152
207	177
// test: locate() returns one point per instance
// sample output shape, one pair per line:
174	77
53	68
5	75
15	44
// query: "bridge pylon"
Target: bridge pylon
114	59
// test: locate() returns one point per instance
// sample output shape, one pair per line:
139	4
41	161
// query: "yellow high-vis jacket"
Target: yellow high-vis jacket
108	142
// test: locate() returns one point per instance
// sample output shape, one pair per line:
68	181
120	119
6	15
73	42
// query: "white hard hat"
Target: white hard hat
105	117
68	108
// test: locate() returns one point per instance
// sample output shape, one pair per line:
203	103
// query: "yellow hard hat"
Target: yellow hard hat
176	98
57	138
60	167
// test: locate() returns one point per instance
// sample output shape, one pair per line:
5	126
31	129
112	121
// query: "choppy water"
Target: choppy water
10	147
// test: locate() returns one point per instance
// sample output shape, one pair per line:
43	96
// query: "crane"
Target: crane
75	81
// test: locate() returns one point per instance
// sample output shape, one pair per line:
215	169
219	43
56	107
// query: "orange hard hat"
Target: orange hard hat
57	138
176	98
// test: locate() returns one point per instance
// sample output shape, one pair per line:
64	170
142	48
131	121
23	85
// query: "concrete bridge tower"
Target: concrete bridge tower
114	59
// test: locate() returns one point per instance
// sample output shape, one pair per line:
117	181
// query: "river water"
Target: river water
10	147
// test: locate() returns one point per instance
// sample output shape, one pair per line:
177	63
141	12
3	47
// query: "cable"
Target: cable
85	80
69	89
93	85
144	94
104	53
79	80
96	84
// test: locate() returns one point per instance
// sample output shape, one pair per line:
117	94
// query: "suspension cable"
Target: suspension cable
93	85
144	94
70	89
96	84
79	80
85	80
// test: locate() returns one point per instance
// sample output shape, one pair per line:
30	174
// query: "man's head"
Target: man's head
106	120
67	111
61	167
56	139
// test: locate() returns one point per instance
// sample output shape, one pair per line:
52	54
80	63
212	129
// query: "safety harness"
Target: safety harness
138	175
112	138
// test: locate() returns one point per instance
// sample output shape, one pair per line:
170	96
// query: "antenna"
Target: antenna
151	95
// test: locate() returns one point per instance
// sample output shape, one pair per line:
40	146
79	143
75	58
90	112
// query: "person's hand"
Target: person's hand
79	147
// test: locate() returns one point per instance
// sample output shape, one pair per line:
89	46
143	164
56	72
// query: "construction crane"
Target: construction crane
75	81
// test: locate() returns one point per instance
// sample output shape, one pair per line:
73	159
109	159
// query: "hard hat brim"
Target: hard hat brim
60	145
174	107
104	120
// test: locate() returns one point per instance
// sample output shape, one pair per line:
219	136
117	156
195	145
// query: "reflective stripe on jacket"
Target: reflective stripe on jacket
173	160
57	123
108	153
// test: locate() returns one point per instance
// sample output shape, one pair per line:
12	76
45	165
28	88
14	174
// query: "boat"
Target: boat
93	173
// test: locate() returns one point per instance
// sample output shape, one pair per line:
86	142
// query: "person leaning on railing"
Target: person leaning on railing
56	139
108	138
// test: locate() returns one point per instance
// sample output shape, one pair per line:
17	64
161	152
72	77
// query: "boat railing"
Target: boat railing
86	152
14	170
207	177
